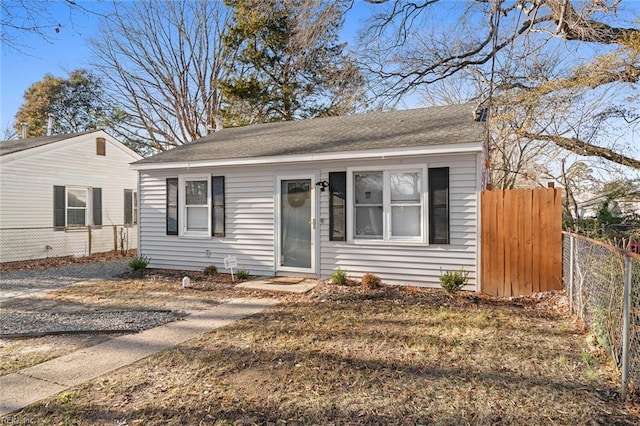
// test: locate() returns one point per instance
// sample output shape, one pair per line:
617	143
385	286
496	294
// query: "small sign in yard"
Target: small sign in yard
231	262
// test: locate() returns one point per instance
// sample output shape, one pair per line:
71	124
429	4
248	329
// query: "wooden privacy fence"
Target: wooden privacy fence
521	241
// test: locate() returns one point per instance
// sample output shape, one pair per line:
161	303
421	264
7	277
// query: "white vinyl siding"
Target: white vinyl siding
250	212
248	224
27	179
414	264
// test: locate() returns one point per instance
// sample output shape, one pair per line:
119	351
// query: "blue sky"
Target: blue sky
69	50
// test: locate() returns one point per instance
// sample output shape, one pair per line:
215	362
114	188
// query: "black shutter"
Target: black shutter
337	206
96	200
59	207
172	206
439	205
128	207
217	210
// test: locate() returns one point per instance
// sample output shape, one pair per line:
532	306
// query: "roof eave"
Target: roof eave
458	148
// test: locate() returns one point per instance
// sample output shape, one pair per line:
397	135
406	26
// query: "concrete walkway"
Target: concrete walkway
31	384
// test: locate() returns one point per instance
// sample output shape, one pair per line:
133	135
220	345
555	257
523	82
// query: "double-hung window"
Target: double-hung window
76	206
130	207
195	206
388	205
77	201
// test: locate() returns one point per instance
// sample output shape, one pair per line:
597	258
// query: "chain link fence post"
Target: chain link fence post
571	271
626	324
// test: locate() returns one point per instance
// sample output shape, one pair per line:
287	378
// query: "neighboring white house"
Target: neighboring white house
589	204
395	194
71	194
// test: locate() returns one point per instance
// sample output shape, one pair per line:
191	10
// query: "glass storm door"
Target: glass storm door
297	225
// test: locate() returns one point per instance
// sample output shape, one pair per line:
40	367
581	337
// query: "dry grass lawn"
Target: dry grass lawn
344	356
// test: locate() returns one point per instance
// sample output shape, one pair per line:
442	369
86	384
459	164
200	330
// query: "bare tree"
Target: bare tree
20	17
411	44
164	61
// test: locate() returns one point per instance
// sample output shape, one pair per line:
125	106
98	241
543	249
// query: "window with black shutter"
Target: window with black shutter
439	205
59	207
337	206
96	200
172	206
128	206
217	206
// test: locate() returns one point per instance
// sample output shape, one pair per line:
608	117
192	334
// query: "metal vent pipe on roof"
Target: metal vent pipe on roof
24	130
50	125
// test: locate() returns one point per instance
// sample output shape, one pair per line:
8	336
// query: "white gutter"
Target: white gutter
324	156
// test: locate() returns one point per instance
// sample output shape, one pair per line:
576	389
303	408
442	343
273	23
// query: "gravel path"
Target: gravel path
21	324
14	323
19	283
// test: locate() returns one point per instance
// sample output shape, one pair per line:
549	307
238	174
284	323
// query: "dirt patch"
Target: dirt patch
54	262
16	354
341	355
152	289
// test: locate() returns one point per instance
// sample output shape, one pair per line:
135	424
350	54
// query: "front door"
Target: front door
296	242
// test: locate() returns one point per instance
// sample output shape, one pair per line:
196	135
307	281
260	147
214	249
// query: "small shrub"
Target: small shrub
453	281
210	270
600	329
339	277
370	281
138	263
242	274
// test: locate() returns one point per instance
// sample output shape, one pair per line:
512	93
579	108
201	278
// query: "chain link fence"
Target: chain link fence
18	244
603	286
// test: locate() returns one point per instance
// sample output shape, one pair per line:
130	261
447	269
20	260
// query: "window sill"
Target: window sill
195	237
366	242
79	228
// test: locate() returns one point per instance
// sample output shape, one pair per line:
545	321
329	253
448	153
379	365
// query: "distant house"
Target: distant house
620	206
71	194
395	194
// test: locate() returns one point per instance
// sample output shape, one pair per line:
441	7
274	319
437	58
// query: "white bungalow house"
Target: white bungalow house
71	194
395	194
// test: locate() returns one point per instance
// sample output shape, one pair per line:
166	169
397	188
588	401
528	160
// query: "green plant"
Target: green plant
138	263
370	281
453	281
242	274
210	270
600	329
588	358
339	277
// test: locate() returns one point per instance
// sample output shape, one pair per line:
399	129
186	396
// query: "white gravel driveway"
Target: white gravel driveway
24	282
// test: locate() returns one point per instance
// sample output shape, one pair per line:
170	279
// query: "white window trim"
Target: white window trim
386	215
182	206
88	218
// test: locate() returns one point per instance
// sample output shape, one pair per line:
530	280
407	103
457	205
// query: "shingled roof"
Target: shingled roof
17	145
382	130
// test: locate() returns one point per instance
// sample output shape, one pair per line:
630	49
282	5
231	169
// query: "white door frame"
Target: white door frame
314	223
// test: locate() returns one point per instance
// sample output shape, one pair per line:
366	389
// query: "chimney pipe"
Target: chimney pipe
218	123
50	125
24	130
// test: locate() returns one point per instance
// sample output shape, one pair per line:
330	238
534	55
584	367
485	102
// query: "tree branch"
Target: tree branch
580	147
